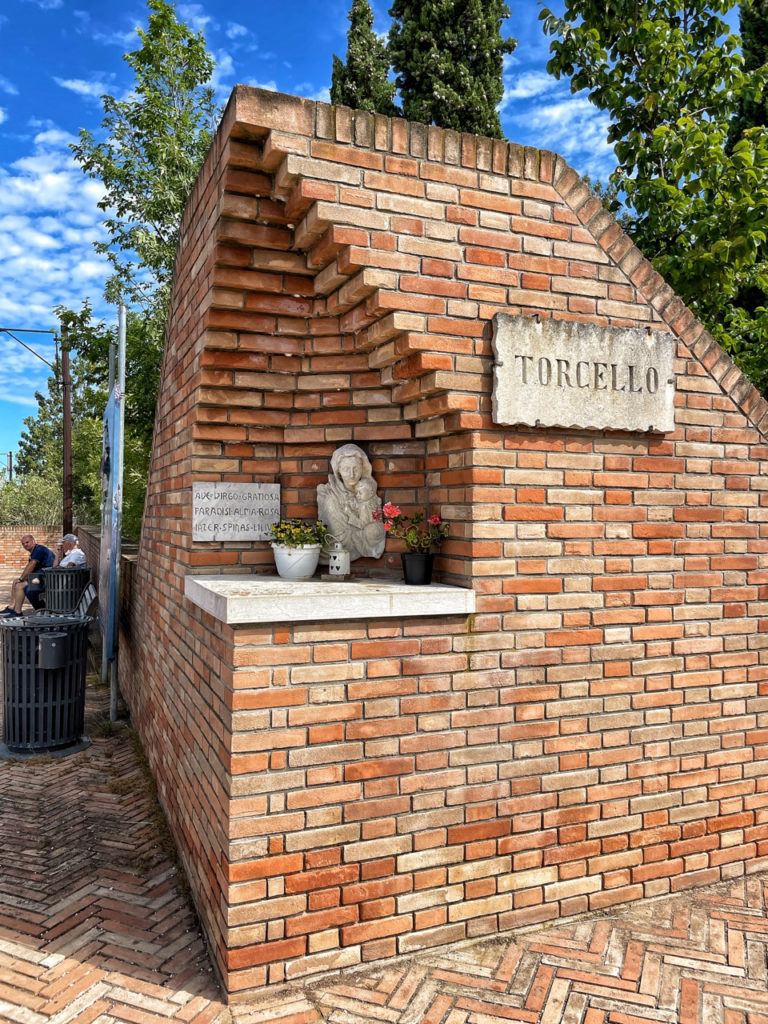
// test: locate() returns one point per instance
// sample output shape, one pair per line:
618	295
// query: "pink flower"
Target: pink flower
391	511
387	527
434	520
377	514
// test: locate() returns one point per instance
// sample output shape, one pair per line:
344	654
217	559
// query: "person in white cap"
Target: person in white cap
68	553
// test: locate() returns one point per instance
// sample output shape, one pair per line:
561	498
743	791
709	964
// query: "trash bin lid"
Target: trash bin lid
46	620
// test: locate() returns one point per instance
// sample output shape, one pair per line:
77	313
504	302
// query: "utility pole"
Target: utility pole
66	403
67	420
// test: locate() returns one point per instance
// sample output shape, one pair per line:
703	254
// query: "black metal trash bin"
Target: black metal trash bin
64	587
44	664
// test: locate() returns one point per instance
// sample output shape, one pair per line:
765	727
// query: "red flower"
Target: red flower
418	531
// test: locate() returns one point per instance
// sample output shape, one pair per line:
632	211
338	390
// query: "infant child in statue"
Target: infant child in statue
367	501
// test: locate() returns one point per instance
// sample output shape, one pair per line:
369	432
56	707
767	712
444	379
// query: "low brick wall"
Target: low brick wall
89	539
11	551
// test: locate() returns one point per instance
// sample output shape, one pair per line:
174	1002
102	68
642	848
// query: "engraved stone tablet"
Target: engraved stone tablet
554	373
222	511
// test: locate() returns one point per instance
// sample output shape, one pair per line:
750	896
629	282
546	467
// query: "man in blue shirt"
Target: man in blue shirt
30	583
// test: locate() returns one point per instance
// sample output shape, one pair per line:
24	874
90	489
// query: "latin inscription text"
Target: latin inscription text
229	511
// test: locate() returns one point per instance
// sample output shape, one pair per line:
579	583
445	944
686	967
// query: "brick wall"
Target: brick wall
11	551
597	732
89	539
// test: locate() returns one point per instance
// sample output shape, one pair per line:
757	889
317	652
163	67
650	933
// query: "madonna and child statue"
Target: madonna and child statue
346	505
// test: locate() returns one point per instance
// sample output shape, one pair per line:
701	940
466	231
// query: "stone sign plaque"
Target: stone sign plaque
222	511
554	373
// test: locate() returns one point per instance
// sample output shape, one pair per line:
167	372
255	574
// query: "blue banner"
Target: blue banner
111	518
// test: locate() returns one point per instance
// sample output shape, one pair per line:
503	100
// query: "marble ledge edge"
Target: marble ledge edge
271	599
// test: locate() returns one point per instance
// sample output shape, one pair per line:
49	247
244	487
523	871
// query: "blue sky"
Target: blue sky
60	56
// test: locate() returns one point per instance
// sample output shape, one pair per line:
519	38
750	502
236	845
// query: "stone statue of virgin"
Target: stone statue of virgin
347	502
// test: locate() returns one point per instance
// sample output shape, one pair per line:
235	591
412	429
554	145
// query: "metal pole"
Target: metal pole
66	401
118	456
10	465
104	573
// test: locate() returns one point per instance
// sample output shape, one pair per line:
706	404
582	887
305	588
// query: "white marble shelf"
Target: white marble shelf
246	599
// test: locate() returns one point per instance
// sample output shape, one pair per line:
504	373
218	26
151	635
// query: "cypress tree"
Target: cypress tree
752	112
448	58
362	81
753	25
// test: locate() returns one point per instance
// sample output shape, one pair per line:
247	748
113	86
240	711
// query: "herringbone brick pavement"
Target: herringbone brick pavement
93	924
693	958
95	928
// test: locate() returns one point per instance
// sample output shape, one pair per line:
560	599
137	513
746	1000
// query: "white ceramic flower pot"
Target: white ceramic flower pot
296	563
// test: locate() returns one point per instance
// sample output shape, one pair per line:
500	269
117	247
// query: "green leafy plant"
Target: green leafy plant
297	533
153	143
419	531
691	185
30	499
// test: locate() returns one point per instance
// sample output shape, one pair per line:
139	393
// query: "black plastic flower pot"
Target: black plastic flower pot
417	567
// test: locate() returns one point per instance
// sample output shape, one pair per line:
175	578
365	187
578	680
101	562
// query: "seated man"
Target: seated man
68	553
29	584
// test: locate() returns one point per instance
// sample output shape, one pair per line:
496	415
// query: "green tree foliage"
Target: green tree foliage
154	143
669	75
30	500
40	447
753	24
362	82
151	148
752	112
448	58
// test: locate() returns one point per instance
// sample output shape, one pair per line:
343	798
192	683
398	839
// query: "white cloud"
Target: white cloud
44	123
125	39
51	136
8	87
270	86
32	239
223	77
527	85
81	87
27	400
310	91
3	115
194	15
572	127
21	372
48	223
235	31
